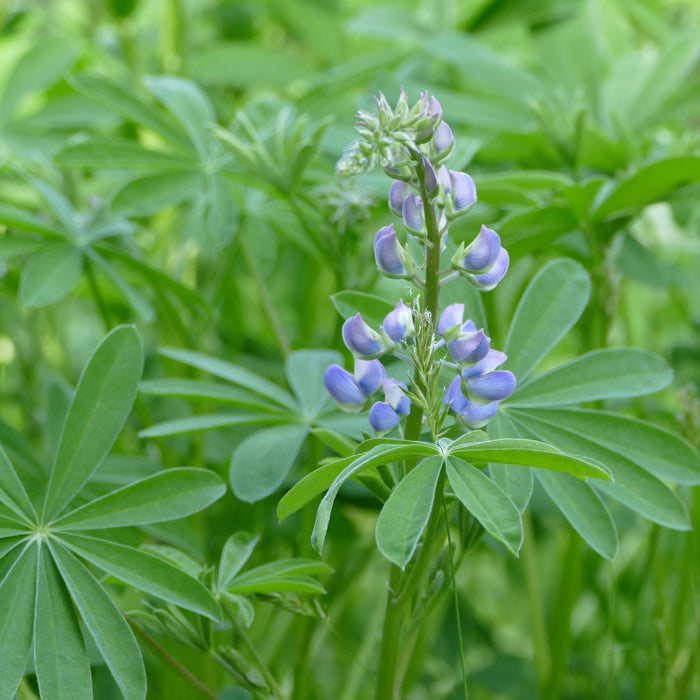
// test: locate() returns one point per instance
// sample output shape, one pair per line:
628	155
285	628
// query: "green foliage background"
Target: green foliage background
170	164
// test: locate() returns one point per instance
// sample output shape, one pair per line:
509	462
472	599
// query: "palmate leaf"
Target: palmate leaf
548	309
60	658
111	633
145	572
635	452
486	502
404	516
102	401
17	595
52	274
168	495
600	374
378	455
234	555
261	461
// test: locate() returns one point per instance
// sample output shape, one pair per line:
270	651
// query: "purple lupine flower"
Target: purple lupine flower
454	398
397	193
493	359
462	194
443	142
369	375
488	280
475	415
361	340
469	413
469	345
341	385
390	256
395	396
451	318
480	255
383	417
492	386
431	180
398	324
412	214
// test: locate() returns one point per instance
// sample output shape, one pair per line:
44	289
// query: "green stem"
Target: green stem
388	680
560	630
537	618
391	634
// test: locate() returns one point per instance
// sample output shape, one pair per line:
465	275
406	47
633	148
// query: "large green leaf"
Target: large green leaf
377	456
232	373
584	509
313	484
60	658
189	105
601	374
193	424
109	630
550	306
659	451
119	154
261	462
515	481
12	492
407	511
211	391
17	594
40	67
150	194
18	217
530	453
169	495
649	184
102	401
145	572
123	101
51	275
305	370
486	502
633	487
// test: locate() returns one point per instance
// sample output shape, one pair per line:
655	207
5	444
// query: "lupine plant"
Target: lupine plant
427	460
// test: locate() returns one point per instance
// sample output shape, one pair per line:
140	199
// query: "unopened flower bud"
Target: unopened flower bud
369	375
431	181
443	143
462	194
480	255
450	319
362	341
413	215
488	280
397	193
468	344
341	385
383	417
398	324
395	396
492	386
391	258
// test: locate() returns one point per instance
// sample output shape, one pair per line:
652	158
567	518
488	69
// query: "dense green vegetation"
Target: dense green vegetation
178	254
